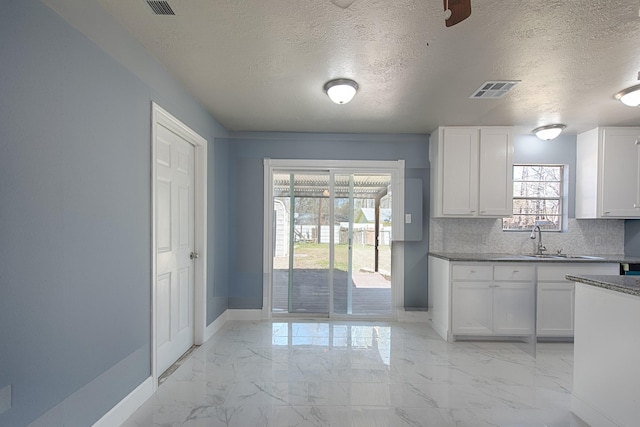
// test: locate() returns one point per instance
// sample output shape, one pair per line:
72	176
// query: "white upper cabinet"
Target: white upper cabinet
459	175
495	193
608	173
471	171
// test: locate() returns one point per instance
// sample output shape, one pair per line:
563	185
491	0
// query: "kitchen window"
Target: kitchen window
537	198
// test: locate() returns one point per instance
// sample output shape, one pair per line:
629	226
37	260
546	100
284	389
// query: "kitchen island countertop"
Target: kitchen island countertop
606	378
625	284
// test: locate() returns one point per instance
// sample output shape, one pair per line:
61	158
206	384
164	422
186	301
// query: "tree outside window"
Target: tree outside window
537	198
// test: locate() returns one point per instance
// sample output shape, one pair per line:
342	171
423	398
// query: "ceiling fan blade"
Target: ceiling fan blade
459	11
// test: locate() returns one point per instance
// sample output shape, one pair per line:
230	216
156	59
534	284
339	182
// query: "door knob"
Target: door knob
194	255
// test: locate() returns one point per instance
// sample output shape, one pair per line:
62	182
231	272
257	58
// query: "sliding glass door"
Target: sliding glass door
301	243
362	255
331	241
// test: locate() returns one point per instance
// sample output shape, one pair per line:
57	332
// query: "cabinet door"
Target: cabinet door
620	191
472	308
555	309
495	193
513	308
460	171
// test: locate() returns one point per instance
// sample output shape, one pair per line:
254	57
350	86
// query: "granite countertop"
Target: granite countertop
625	284
496	257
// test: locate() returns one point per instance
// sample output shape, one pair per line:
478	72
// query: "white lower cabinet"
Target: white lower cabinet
556	296
472	311
513	308
501	302
555	309
500	299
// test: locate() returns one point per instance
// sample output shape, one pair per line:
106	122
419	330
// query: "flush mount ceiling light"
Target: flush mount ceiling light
549	132
629	96
341	91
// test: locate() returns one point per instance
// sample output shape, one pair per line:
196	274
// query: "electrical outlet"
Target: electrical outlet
407	218
5	399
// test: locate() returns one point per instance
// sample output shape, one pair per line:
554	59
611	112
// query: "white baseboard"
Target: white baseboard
244	314
76	409
215	326
441	329
413	316
231	314
589	414
127	406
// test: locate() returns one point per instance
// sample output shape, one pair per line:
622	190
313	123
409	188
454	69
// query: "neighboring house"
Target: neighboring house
368	216
365	219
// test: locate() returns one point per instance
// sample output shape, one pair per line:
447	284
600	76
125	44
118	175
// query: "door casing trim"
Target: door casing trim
395	167
160	116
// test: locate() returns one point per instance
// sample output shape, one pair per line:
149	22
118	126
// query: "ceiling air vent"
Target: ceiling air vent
494	89
160	7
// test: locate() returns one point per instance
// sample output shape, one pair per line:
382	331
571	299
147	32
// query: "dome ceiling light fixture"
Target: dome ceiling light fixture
629	96
549	132
341	91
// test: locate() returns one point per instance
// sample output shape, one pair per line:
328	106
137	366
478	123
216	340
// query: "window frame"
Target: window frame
561	198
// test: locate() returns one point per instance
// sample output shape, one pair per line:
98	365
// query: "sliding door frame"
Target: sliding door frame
395	168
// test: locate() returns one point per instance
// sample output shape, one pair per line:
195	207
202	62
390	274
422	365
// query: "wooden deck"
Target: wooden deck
370	295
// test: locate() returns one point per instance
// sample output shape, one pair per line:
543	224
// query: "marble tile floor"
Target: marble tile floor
369	374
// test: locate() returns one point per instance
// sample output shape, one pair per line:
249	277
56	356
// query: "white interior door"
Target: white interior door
175	244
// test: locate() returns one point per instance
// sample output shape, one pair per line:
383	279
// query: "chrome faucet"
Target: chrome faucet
541	247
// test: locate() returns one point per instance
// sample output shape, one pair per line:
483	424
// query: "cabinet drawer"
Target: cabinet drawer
557	273
514	272
471	272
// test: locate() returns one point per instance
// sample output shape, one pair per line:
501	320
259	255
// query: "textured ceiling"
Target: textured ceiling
260	65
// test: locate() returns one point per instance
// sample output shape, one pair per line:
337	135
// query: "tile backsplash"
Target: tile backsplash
481	235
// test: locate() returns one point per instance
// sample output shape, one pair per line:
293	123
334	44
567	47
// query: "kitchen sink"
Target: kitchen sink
514	257
577	256
546	256
562	256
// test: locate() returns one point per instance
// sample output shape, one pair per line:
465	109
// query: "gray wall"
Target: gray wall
246	152
632	237
75	217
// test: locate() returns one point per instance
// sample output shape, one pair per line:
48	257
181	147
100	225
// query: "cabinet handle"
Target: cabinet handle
635	205
637	141
496	286
607	213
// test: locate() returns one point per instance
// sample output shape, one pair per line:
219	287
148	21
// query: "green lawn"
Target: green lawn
316	256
